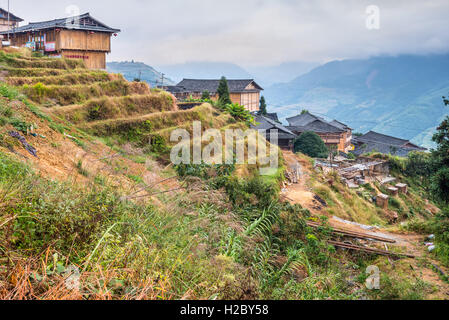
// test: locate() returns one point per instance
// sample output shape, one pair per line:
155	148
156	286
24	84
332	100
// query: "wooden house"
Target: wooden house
334	134
285	136
8	21
377	142
244	92
79	37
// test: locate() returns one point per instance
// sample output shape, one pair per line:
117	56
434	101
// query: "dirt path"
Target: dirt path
410	243
300	193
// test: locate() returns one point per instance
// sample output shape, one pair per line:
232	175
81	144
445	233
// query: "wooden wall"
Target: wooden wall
82	40
250	100
93	60
4	26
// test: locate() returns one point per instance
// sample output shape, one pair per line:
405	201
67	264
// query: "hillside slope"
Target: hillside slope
138	70
86	189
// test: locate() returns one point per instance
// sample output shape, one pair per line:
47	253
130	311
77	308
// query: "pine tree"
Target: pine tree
263	106
223	92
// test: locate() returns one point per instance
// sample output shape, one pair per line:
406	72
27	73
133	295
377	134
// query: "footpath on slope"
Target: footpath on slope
410	242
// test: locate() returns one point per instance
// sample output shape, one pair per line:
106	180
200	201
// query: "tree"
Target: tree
223	92
205	96
440	180
304	111
263	106
440	184
311	144
239	112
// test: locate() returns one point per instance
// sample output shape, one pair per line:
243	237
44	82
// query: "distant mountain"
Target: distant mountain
205	70
399	96
285	72
132	70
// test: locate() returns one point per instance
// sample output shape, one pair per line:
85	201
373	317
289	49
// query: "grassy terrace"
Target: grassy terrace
225	235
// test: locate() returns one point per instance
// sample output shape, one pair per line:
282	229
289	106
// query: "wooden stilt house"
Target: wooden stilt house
79	37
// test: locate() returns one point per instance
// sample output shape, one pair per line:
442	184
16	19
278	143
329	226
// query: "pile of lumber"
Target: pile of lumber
361	236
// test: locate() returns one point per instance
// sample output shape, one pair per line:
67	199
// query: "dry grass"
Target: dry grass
75	78
60	63
75	94
38	72
160	121
115	107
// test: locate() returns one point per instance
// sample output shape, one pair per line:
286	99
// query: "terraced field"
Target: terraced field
100	103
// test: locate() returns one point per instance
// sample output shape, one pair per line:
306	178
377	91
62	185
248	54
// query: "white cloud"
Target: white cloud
258	32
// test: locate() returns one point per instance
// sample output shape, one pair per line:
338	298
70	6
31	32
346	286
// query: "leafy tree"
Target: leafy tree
393	150
440	184
263	106
311	144
441	137
239	112
205	96
419	164
223	92
440	180
304	111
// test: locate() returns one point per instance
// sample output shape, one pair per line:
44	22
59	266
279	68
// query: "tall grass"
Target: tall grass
65	79
76	94
115	107
122	249
16	60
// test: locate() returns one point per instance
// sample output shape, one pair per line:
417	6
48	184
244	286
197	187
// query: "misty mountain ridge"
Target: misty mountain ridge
263	75
399	96
285	72
138	70
205	70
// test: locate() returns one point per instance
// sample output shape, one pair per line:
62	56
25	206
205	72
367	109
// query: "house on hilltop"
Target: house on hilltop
79	37
245	92
8	21
377	142
333	133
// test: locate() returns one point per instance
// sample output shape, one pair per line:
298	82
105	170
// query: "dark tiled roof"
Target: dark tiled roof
303	119
272	116
65	23
340	125
373	141
318	126
361	148
264	123
198	85
4	15
175	89
310	122
388	140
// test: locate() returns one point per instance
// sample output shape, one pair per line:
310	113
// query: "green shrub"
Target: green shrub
440	184
309	143
239	112
394	203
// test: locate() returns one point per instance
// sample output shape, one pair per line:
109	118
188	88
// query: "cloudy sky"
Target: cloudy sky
258	32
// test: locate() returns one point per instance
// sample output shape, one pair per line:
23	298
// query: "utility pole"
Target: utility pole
8	21
163	74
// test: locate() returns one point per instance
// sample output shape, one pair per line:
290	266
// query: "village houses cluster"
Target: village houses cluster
85	37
